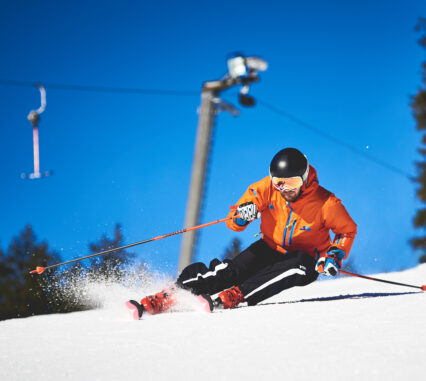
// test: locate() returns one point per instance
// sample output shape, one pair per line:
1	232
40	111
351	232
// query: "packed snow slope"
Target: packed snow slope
347	328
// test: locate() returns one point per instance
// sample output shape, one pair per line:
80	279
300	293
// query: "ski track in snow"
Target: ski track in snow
346	328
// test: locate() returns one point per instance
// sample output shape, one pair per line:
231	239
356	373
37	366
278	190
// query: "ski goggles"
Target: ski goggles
289	183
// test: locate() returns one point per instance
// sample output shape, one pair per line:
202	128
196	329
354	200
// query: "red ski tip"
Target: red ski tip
135	309
424	288
206	302
38	270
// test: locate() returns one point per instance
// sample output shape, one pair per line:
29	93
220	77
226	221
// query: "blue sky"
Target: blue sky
345	68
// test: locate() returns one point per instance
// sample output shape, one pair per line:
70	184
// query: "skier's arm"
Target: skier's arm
341	224
252	195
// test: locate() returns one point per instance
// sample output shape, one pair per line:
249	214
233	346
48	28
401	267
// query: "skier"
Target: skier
297	215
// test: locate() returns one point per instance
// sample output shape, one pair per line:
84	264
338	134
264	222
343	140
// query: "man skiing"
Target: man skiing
297	215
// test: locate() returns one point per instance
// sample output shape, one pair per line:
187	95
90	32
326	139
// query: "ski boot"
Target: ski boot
153	304
160	302
229	298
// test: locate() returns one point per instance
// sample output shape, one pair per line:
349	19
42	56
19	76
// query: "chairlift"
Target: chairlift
34	118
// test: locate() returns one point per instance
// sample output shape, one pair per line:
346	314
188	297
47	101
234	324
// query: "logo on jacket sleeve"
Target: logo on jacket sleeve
306	228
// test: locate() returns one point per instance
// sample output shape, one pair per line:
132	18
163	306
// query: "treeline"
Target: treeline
23	294
418	105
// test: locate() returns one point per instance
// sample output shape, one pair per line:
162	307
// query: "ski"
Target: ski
135	309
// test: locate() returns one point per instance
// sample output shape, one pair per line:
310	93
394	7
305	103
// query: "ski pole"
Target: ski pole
423	288
40	269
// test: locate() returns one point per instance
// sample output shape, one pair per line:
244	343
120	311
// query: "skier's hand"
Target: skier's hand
248	211
331	263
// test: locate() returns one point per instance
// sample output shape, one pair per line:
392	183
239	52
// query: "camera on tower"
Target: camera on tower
244	70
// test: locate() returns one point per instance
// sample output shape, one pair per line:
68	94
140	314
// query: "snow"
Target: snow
346	328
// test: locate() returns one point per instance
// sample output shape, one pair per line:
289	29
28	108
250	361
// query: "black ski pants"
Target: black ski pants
259	271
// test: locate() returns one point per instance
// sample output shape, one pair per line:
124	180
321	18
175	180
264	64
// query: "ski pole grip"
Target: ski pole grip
234	207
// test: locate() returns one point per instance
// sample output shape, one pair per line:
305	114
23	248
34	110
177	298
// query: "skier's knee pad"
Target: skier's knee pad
201	279
191	271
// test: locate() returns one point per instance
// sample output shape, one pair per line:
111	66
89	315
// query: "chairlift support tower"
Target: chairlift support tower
241	71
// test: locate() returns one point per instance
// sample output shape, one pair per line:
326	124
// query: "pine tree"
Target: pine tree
110	266
233	249
24	294
73	284
5	282
418	106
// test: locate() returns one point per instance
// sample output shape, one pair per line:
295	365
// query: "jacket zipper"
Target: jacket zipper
291	232
287	224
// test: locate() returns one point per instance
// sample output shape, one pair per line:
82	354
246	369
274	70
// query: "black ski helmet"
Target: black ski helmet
289	162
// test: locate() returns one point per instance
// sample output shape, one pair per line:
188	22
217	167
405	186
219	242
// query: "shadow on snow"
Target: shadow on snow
347	296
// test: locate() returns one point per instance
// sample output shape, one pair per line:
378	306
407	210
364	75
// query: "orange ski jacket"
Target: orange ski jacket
304	224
